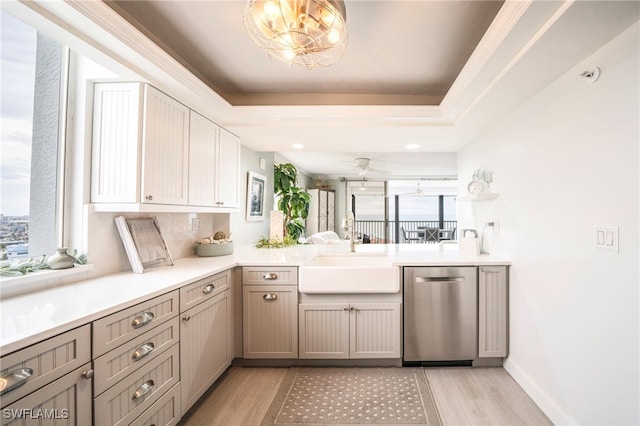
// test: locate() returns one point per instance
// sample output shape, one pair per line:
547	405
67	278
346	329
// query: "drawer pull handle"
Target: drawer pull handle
143	351
14	379
87	374
270	296
144	389
270	276
142	319
208	288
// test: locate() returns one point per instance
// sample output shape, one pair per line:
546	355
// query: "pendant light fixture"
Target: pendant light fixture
311	33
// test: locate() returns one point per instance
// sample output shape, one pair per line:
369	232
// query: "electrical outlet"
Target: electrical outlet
495	225
195	224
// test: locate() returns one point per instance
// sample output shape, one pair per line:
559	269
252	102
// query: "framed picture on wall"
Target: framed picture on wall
255	196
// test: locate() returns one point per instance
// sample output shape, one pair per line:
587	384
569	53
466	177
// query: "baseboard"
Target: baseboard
537	394
382	362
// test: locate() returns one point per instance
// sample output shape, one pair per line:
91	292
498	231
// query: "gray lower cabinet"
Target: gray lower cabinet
205	333
270	312
349	330
163	412
493	312
67	400
136	360
49	381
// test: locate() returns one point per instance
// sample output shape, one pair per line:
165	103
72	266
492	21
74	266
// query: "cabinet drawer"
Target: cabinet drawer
129	398
116	329
164	412
117	364
204	289
47	360
253	275
66	401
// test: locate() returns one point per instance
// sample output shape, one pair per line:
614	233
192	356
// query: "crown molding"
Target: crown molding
505	21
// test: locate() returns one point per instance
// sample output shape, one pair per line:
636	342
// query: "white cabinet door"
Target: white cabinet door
165	156
270	321
228	167
203	347
203	138
116	143
324	331
374	330
493	311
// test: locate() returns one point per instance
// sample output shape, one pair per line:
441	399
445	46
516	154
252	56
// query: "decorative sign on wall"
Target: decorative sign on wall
255	196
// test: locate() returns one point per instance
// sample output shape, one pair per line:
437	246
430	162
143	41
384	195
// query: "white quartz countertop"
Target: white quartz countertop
30	318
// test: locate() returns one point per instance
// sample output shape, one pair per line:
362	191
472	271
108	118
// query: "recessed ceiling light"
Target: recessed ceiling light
412	146
297	146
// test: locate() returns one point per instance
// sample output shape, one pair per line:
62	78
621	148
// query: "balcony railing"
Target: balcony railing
375	230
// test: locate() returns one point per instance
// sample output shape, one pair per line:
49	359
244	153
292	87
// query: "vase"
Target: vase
60	260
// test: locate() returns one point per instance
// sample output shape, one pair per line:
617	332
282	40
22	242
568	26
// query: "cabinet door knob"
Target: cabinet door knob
87	374
186	317
149	197
481	269
144	389
270	276
208	288
142	319
346	308
270	296
352	309
14	379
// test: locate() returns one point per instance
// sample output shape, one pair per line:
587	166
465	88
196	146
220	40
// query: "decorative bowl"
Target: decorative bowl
208	250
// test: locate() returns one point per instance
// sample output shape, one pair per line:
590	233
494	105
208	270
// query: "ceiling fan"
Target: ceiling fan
362	167
418	191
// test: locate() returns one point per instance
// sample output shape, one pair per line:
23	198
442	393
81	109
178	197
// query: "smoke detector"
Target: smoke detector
591	76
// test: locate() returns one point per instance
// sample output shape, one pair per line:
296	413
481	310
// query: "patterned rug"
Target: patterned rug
353	396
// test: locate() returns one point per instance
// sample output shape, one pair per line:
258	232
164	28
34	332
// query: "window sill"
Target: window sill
42	280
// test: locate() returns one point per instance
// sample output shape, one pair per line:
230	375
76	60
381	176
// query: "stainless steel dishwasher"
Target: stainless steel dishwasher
440	314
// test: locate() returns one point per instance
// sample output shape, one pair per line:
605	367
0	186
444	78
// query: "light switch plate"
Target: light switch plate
605	237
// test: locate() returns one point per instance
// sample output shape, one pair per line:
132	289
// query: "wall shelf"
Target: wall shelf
479	197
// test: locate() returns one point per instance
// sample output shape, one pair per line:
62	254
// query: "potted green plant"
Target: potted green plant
292	200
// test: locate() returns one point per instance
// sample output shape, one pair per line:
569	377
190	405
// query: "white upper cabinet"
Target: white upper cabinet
203	139
116	153
152	153
228	176
165	149
214	165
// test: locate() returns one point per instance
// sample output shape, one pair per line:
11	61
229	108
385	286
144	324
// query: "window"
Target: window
32	82
412	205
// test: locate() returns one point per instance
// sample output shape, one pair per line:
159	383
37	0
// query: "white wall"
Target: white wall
247	232
565	161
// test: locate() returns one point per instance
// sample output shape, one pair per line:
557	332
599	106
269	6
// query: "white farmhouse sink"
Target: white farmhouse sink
349	273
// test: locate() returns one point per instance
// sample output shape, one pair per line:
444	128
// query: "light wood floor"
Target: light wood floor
464	396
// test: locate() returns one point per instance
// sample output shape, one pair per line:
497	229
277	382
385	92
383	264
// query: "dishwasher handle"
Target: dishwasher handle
439	279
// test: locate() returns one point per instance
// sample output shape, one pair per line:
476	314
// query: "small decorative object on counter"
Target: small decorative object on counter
61	259
216	245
